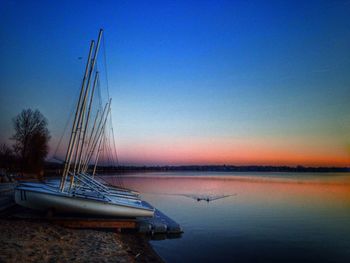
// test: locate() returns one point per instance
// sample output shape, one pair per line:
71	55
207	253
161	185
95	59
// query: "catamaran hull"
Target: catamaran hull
67	204
119	194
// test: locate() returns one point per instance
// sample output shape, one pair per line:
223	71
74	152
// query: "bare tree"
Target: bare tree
6	157
31	139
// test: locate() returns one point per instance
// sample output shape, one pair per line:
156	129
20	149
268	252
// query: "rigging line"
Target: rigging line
105	62
110	160
112	147
114	152
63	133
110	152
114	144
115	161
115	155
99	93
110	156
65	126
104	149
98	84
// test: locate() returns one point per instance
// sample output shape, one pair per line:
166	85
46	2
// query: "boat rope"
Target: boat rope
114	151
105	64
99	94
70	116
114	144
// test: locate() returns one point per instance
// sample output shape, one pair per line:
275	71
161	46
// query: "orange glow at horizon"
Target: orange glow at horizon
235	152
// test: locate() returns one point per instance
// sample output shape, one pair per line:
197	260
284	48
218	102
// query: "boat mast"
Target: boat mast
83	107
78	117
90	137
87	122
98	153
73	132
98	135
95	137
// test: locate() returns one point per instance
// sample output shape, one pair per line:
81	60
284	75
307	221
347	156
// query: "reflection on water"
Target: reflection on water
265	217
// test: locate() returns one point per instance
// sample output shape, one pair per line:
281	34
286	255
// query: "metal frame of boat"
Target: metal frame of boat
88	197
48	198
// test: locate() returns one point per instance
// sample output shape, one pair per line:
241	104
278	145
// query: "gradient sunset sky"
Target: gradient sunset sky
192	82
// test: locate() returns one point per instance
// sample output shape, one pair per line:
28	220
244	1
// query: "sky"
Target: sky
192	82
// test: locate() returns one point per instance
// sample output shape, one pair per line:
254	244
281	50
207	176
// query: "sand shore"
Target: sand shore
33	241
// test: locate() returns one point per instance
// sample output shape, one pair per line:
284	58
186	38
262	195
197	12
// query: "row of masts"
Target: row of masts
86	145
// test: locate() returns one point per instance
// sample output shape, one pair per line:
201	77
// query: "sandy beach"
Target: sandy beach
33	241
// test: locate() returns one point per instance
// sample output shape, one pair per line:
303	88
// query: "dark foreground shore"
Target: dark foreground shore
29	241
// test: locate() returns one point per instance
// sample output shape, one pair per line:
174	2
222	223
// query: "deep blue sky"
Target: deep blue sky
248	80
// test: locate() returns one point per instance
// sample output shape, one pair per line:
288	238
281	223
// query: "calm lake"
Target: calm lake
254	217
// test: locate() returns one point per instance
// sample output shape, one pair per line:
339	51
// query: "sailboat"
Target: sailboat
78	191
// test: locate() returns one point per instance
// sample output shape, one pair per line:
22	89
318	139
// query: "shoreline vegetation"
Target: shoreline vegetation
52	169
55	168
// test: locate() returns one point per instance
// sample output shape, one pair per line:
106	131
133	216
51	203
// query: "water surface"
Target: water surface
266	217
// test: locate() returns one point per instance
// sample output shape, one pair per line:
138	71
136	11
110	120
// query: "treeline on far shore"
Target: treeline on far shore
52	168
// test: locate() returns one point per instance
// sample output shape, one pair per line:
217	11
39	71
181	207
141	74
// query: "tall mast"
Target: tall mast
98	152
90	137
98	135
83	108
77	120
95	137
72	135
87	121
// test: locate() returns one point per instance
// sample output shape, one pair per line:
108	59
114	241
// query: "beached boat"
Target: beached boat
48	198
78	191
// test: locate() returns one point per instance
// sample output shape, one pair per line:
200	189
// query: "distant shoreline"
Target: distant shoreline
50	167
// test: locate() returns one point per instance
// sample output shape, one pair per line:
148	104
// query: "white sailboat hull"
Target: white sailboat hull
63	203
112	193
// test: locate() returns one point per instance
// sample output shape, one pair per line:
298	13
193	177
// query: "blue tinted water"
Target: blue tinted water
267	217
